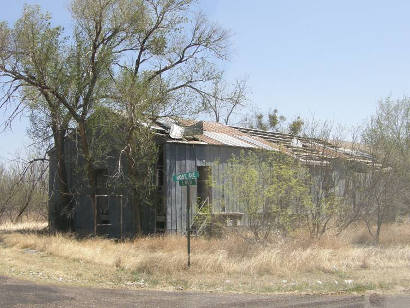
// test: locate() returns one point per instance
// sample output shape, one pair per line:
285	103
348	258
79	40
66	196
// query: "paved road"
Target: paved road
19	293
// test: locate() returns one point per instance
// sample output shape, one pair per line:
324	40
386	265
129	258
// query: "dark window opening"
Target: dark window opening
101	180
159	181
103	210
159	170
204	189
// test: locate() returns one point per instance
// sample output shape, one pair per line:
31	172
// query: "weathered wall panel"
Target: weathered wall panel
188	157
170	163
83	213
180	191
192	165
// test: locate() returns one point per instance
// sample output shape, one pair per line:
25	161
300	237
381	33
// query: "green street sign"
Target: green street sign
186	176
187	182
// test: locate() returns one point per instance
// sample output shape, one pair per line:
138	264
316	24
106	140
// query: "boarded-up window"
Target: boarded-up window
101	177
103	209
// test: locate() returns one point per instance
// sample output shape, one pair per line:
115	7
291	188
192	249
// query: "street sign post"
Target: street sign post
187	179
188	223
187	182
186	176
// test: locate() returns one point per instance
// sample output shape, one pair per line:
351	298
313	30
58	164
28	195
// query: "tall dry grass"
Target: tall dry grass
23	226
230	255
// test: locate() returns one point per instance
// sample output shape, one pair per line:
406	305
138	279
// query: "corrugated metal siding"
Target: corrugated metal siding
83	211
180	191
170	163
180	158
191	164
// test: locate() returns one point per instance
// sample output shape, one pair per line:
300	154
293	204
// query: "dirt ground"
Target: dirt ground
20	293
39	270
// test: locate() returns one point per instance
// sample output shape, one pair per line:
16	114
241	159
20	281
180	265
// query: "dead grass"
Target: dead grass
391	235
23	226
163	258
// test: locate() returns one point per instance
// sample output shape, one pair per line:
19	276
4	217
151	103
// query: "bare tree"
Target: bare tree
23	187
387	137
222	102
325	178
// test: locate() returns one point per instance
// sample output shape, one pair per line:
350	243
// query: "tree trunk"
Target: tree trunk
138	227
134	175
379	225
377	237
61	219
90	171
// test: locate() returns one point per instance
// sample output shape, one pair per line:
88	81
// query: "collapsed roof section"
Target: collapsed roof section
311	150
308	150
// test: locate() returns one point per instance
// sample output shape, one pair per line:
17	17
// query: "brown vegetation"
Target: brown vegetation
338	263
23	190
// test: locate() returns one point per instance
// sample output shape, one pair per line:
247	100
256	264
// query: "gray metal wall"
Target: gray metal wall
180	158
83	212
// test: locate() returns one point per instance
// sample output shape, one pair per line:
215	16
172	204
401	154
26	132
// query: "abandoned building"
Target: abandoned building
185	146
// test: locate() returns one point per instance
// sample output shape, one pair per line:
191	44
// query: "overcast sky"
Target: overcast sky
329	59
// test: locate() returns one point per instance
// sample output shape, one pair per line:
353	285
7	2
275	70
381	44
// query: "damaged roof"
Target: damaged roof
307	150
311	150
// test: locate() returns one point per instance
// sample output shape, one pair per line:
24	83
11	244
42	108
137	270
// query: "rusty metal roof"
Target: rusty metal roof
308	150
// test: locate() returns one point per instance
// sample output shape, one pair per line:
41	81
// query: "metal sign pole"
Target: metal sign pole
187	179
121	210
95	215
188	226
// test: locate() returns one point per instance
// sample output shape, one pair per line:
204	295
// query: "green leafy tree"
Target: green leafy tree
66	78
174	54
325	201
270	188
273	122
32	68
295	127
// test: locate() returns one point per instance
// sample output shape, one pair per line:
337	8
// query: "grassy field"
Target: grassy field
332	265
